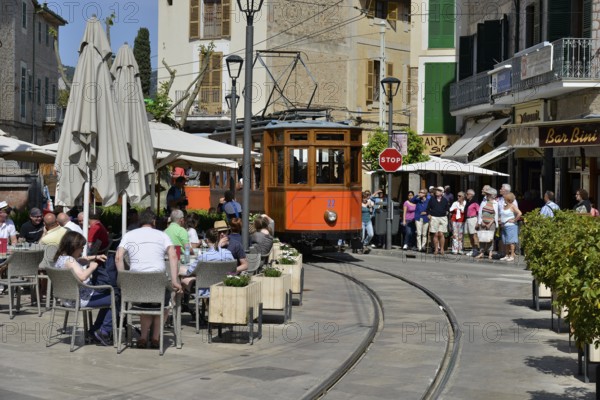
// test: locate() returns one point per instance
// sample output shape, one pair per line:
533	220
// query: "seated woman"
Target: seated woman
216	252
68	256
262	238
191	222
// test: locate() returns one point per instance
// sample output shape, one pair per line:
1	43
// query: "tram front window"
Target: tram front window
298	166
329	166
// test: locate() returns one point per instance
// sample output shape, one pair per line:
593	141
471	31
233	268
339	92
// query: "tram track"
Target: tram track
453	342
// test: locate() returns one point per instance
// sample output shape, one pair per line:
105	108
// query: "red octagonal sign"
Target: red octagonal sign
390	159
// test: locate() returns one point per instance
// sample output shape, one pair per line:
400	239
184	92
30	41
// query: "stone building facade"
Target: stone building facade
29	74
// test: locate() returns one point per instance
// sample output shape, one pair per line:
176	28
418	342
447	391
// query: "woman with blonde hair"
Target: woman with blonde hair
509	215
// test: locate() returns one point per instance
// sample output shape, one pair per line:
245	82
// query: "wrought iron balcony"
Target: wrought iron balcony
54	114
572	59
471	91
566	59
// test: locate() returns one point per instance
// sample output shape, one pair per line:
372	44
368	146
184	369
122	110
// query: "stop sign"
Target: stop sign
390	159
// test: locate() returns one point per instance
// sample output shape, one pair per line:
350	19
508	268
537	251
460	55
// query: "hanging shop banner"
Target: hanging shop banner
584	134
437	144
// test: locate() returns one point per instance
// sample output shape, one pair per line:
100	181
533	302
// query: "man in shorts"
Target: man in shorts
437	210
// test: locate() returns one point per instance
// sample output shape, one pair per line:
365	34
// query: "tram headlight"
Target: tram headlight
330	216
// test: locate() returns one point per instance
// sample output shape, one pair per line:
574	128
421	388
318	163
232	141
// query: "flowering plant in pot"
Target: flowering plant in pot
236	280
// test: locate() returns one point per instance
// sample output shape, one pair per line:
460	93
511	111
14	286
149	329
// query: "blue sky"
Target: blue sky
131	15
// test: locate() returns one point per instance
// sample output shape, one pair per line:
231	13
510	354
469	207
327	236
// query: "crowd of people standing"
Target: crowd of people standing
431	217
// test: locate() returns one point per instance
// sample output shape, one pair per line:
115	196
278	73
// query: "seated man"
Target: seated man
176	231
54	232
234	246
7	226
147	248
33	229
65	221
216	251
97	232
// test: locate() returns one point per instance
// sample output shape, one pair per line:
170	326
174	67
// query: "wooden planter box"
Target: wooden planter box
275	251
544	291
593	353
230	305
295	270
274	291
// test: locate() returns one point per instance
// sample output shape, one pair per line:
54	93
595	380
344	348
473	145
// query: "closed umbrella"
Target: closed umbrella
132	110
92	148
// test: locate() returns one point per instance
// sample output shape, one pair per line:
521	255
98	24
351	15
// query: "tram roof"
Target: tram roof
307	125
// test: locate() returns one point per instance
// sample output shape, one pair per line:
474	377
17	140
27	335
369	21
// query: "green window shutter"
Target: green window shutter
438	77
559	19
587	19
442	16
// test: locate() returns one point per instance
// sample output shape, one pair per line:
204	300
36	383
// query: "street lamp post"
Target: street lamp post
390	87
234	67
248	7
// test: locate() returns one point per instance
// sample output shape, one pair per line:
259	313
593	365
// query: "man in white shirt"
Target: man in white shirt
147	248
7	227
65	221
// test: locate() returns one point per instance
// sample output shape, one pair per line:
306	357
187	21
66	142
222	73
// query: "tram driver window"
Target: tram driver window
329	166
298	166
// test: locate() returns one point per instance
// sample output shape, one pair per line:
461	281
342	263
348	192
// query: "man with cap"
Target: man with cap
437	210
233	246
7	226
33	229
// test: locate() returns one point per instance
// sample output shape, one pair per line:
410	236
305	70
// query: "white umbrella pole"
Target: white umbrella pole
123	214
86	200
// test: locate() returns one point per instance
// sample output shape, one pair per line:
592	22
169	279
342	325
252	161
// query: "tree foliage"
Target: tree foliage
141	52
378	140
160	106
564	253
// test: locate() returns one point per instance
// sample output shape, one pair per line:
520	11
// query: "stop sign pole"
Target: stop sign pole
390	160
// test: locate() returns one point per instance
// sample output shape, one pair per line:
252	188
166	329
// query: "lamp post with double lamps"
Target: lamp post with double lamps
248	7
234	67
390	86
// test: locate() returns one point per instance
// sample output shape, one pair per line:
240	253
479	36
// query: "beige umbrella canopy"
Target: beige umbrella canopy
130	101
18	150
92	150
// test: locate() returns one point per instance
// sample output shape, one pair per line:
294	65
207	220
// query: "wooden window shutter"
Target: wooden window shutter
372	5
226	19
537	22
210	91
194	19
465	56
559	24
370	80
393	9
389	69
586	30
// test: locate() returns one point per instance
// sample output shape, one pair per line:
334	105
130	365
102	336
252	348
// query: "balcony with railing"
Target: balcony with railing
55	114
564	60
471	91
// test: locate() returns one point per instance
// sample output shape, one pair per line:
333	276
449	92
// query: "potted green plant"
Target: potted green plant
291	263
231	300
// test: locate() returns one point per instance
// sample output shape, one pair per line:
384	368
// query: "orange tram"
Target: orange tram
308	179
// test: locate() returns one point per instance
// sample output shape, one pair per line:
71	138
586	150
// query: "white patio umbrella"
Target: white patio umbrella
92	148
132	110
19	150
444	166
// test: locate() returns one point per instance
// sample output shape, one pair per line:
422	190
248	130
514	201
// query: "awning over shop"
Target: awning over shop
499	152
475	137
447	167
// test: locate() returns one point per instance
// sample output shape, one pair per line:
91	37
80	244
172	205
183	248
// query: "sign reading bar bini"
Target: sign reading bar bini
390	159
586	134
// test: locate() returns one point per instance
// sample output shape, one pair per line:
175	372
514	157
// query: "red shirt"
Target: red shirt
97	231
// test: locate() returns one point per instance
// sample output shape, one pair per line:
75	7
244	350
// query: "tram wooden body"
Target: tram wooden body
309	180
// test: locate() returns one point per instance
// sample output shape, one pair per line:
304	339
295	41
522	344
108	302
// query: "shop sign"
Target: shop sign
501	81
529	112
570	135
523	137
437	144
537	62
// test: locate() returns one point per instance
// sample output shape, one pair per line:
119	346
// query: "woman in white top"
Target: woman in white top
191	222
68	256
509	215
457	212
